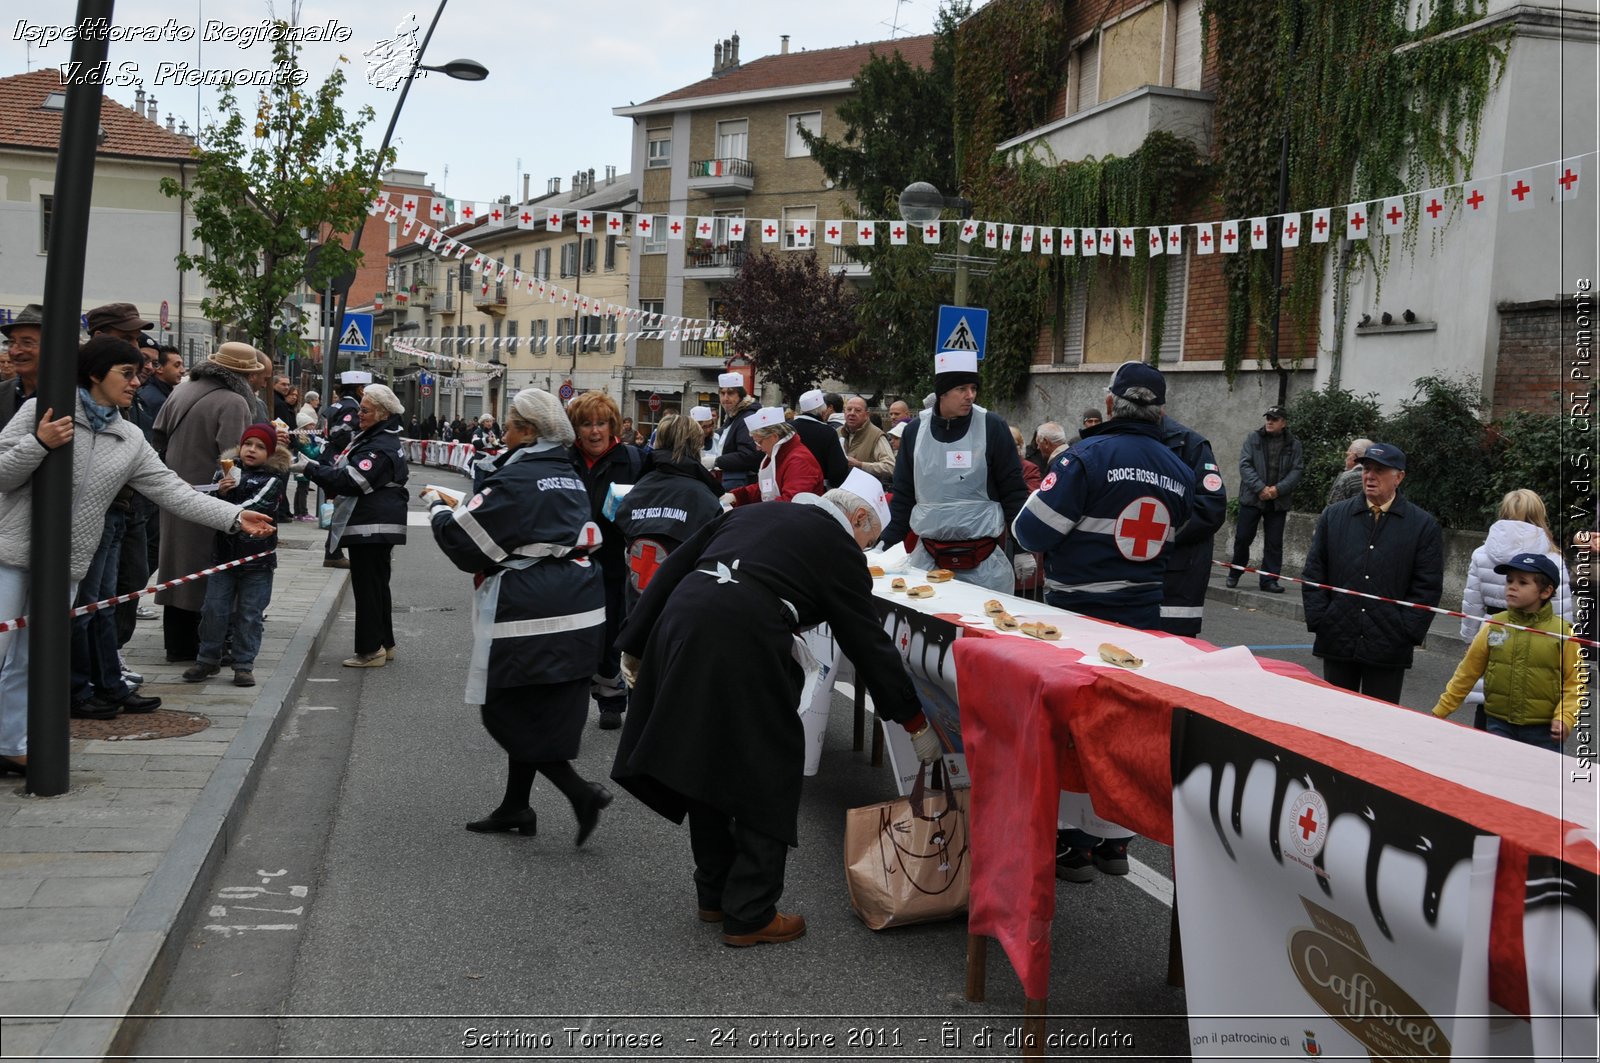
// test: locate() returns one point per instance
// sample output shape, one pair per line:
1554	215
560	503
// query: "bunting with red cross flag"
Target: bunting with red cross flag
931	233
675	226
495	215
1069	241
438	238
1230	237
1108	242
1289	230
1433	207
441	211
968	230
643	225
704	228
1519	191
736	230
469	210
1088	242
526	218
1047	240
1356	222
866	233
1568	175
1205	240
378	204
804	233
552	221
834	233
991	234
584	222
898	233
1174	239
1156	243
1025	238
770	230
1258	234
1476	197
1393	216
1126	244
1007	232
1321	225
616	224
408	206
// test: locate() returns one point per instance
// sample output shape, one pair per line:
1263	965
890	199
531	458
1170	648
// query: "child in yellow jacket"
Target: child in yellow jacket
1531	683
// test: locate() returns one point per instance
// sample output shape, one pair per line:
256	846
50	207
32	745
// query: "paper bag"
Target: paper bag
907	860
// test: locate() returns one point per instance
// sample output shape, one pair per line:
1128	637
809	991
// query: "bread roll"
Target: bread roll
874	571
897	584
920	591
992	607
1118	656
1005	622
940	575
1039	630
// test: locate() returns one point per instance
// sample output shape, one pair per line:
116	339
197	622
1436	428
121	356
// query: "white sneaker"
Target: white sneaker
129	676
144	612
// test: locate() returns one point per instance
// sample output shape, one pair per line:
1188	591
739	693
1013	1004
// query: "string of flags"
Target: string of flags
412	349
1518	190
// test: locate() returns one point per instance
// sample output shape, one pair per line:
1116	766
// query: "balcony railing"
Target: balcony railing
722	168
704	349
727	256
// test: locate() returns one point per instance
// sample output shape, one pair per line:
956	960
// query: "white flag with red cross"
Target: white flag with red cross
1258	234
1568	175
553	220
615	224
1025	238
771	229
1519	191
469	210
1156	243
526	218
463	251
899	233
676	227
642	225
392	213
968	230
736	230
1433	207
1069	241
378	204
405	229
1392	215
477	263
1007	234
1108	242
500	272
991	234
866	233
704	227
516	278
1088	242
585	222
1127	243
931	232
447	249
495	214
438	238
1356	221
833	233
408	206
439	212
1230	237
1174	239
804	234
1289	229
423	232
1321	225
1047	240
1476	198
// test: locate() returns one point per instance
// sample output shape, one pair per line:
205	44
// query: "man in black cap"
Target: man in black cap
1377	543
1270	464
121	320
958	481
22	342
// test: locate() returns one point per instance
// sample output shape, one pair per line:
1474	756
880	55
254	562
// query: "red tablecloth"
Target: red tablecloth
1037	721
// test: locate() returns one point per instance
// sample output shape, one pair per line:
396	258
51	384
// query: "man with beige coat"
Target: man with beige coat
865	445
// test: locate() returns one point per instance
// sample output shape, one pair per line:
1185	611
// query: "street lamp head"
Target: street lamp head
461	69
920	202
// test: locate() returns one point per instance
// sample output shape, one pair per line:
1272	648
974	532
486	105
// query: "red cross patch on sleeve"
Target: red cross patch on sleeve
365	464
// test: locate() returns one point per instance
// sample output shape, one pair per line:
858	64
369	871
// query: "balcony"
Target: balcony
715	262
713	350
1118	126
840	261
722	177
492	301
440	302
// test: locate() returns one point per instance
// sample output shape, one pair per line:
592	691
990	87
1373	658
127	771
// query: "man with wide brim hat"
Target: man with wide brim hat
22	341
213	402
957	481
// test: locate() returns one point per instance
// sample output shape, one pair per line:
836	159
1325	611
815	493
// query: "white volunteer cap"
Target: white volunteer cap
955	362
870	490
701	414
730	380
355	376
811	400
765	417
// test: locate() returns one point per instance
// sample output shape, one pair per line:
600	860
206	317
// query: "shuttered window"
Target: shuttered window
1188	56
1177	309
1088	91
1077	314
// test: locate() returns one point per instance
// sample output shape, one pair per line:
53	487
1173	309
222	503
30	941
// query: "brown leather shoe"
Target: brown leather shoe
782	928
707	915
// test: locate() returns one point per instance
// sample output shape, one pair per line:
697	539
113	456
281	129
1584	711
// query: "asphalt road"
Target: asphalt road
355	916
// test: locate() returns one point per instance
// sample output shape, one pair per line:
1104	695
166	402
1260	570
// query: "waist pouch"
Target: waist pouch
960	555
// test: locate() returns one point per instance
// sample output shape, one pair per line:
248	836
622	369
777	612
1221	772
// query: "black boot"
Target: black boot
588	810
524	820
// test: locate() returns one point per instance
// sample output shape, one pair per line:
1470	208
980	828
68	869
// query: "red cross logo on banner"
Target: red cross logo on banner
1434	207
1394	215
1305	825
468	210
644	557
1322	223
495	214
736	230
802	232
864	233
553	220
1142	528
770	230
968	230
411	204
1475	200
1521	190
1227	234
932	231
1258	232
1127	242
525	218
1155	239
1205	236
585	221
1066	241
1567	180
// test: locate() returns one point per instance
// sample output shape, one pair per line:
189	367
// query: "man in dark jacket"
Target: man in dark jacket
1270	464
168	373
738	457
1381	544
1183	601
821	438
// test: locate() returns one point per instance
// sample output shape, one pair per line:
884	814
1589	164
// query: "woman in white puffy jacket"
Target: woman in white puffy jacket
1522	528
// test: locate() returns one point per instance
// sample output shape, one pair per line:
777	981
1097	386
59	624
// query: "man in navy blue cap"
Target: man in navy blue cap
1376	543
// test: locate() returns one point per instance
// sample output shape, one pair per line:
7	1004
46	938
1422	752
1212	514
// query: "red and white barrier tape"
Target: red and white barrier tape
93	607
1408	605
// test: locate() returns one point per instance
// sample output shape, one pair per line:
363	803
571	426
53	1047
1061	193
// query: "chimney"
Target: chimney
138	101
553	186
783	45
525	178
152	114
611	175
589	187
734	59
171	127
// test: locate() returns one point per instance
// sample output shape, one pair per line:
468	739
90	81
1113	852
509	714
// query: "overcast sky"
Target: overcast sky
556	70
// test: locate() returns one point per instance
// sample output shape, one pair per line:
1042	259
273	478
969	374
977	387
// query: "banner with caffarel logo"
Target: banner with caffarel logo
1322	915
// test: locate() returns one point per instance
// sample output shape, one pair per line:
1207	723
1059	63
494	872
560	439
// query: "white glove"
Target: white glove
431	497
1024	567
708	460
630	668
926	745
300	463
727	500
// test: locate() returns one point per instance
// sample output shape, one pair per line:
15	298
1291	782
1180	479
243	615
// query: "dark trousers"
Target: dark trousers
180	632
369	582
1375	681
95	668
133	570
608	690
736	869
300	492
1245	535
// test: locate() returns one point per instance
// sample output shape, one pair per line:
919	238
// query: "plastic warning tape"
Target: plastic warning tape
94	607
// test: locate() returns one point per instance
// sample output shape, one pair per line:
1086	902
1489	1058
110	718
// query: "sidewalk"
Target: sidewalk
92	883
1444	636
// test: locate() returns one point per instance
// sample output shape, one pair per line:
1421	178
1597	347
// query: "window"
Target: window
799	227
465	273
511	336
589	245
569	260
1077	317
1177	307
653	309
1188	46
591	331
611	335
496	328
516	260
563	334
482	333
733	139
539	336
658	148
655	241
611	253
811	122
541	263
46	209
449	291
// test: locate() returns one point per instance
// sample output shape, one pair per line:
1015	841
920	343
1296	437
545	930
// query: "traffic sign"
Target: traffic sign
567	391
356	333
426	391
962	328
655	402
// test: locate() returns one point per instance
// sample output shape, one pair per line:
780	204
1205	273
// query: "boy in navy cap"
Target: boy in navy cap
1532	683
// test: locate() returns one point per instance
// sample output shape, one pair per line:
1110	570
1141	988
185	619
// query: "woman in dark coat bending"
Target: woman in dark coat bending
671	502
714	733
539	608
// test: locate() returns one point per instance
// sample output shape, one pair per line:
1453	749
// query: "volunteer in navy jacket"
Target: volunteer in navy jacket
671	502
957	481
1108	507
1183	604
539	612
369	517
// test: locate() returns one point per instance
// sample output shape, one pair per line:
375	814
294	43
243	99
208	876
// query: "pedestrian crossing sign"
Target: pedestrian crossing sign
356	333
962	328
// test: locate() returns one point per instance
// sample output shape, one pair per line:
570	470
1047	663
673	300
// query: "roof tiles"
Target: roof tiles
803	68
26	124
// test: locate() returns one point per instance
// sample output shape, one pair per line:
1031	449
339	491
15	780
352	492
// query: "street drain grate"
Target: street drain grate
142	726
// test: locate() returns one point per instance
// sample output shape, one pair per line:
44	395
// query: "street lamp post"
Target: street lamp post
461	70
921	202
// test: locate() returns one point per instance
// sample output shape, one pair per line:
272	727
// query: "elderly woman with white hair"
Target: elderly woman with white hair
788	468
369	518
540	613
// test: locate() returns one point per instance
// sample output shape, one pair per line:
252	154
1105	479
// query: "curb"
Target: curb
130	975
1289	605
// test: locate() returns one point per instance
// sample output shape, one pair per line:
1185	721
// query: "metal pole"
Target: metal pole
49	593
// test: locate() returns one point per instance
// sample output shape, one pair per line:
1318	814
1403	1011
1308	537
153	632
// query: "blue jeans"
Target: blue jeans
1533	734
252	587
14	591
95	666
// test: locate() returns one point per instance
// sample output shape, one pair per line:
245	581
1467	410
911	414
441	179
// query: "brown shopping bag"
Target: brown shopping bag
907	860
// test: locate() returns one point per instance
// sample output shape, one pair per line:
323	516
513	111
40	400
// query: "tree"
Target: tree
792	318
899	127
262	183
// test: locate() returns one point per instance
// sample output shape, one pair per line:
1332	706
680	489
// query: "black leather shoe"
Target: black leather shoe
524	820
1273	588
138	703
589	811
94	709
1233	579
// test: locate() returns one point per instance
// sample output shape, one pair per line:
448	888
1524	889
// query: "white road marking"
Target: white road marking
1151	881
